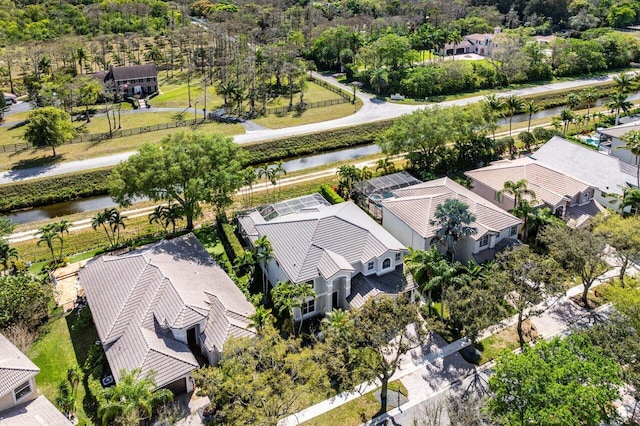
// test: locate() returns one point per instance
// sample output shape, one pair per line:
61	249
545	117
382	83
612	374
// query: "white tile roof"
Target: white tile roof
136	297
605	172
37	412
15	367
300	240
550	186
416	206
621	130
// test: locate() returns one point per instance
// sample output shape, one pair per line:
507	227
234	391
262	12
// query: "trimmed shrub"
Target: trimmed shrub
330	195
230	241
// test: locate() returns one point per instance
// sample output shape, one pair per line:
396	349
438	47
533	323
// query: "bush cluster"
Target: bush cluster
330	194
230	241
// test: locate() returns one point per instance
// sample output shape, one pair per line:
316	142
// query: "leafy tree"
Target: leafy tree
24	299
632	143
528	281
563	381
133	397
187	168
7	253
527	139
453	219
539	219
381	332
619	103
259	381
579	251
49	127
622	234
90	89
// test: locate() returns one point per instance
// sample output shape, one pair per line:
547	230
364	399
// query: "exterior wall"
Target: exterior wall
489	194
402	232
623	153
8	401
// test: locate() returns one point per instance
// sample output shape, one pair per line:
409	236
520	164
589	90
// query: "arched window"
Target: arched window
386	264
585	197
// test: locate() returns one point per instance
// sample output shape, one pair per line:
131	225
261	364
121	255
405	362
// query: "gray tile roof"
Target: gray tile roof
37	412
365	287
135	298
605	172
416	206
134	71
15	367
300	240
620	130
550	186
223	324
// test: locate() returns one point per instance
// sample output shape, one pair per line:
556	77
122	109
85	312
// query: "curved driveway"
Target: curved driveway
372	110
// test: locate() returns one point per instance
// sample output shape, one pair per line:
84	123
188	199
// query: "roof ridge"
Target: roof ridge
126	300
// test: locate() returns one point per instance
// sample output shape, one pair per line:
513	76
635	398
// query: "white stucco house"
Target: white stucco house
342	252
408	213
617	144
162	308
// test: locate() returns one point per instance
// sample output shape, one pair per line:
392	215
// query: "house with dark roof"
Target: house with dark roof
408	214
568	197
607	173
20	403
132	80
341	251
160	308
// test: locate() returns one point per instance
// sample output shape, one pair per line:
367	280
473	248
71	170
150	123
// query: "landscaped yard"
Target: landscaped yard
506	340
60	348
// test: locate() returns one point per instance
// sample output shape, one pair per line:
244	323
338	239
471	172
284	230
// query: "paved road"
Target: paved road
372	110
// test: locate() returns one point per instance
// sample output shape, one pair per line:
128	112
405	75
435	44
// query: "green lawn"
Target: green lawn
505	340
355	412
58	349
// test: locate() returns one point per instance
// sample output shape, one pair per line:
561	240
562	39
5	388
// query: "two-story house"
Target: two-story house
568	198
340	250
159	307
20	403
408	214
132	80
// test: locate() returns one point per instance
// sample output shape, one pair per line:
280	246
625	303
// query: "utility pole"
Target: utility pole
189	78
204	111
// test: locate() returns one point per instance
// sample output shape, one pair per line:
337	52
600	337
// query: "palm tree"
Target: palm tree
420	264
265	171
249	178
530	108
590	95
263	254
260	319
379	79
624	82
133	397
157	216
453	219
619	103
387	166
630	198
102	219
444	274
7	253
573	100
513	104
61	228
632	143
495	105
567	116
521	206
47	234
65	400
278	172
246	261
304	291
116	221
349	176
339	321
172	214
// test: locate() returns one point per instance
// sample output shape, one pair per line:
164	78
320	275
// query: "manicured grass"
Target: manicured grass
132	120
355	412
57	350
312	115
506	340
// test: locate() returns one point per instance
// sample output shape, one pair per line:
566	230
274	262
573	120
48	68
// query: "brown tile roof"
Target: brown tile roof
550	186
37	412
15	367
416	206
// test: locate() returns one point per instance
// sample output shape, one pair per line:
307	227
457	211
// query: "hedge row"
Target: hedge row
295	146
230	241
555	99
330	195
44	191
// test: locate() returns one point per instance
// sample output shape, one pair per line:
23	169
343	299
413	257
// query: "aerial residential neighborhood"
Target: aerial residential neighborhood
320	213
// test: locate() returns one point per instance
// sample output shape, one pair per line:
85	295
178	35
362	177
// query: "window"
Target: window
498	197
22	391
585	197
398	257
311	283
308	307
484	240
386	263
514	230
370	265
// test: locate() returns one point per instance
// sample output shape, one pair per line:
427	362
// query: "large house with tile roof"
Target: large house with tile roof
20	403
568	197
132	80
160	308
607	173
340	250
408	214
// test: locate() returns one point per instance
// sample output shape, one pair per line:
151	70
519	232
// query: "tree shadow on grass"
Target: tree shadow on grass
32	167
